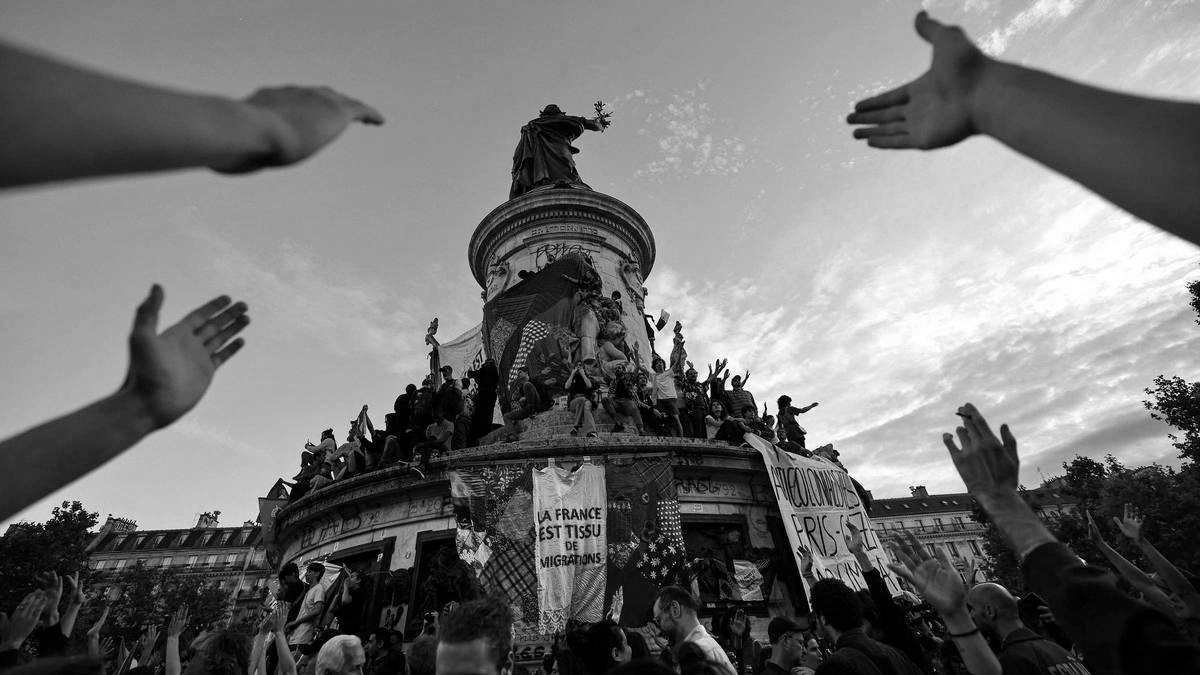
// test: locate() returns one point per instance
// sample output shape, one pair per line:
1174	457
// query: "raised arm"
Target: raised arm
14	629
1138	153
1131	526
60	121
93	635
891	616
1151	593
805	409
74	602
179	622
1114	632
287	665
938	582
168	374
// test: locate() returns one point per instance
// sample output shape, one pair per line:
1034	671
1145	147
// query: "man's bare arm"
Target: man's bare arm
1139	153
60	121
168	374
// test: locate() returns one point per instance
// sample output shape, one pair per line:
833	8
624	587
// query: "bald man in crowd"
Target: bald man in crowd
1022	651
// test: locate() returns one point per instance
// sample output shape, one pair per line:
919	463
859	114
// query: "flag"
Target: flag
645	537
363	427
493	506
532	325
268	508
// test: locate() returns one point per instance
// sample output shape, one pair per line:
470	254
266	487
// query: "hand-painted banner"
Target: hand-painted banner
570	514
818	501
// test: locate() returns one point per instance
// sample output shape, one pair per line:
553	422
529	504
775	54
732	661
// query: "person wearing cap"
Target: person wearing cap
787	646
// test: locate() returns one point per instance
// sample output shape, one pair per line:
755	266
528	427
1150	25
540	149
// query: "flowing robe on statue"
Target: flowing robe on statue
544	155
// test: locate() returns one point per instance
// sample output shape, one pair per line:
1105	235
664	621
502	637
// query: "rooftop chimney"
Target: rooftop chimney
207	519
919	491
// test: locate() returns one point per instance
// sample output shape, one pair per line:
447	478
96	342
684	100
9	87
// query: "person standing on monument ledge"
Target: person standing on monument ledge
544	155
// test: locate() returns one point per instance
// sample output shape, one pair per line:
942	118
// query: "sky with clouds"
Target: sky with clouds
891	287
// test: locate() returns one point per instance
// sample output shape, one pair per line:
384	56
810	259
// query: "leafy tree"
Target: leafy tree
1167	500
148	596
1177	402
59	545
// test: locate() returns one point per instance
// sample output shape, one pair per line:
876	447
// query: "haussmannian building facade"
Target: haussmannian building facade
944	521
230	558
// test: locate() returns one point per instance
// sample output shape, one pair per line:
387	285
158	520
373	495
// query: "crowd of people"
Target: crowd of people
428	421
1138	152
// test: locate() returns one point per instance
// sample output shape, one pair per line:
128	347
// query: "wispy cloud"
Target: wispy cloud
298	294
1036	15
686	134
1058	341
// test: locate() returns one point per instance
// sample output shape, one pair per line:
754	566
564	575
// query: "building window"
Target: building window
231	558
974	547
932	549
121	564
166	561
958	522
192	560
953	549
938	523
101	564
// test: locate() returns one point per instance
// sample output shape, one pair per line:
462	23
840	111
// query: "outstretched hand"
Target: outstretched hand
98	625
14	629
934	110
179	622
934	578
170	371
76	589
987	465
1130	525
301	121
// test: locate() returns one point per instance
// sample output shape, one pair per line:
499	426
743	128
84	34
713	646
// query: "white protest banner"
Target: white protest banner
570	512
464	352
818	501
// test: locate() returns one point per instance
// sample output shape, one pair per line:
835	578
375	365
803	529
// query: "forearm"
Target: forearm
1175	580
67	623
1139	153
1019	524
257	653
63	121
287	665
173	667
891	617
69	447
1114	632
974	649
1132	573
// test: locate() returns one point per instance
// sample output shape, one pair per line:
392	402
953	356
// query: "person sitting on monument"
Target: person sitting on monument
604	394
449	394
716	382
652	418
738	397
664	396
527	402
438	439
626	400
754	425
462	425
318	451
323	477
423	405
721	427
694	403
349	459
580	388
789	428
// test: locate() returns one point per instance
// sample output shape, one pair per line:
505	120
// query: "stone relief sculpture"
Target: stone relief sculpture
631	274
498	276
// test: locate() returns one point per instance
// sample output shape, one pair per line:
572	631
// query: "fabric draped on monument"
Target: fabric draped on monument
494	510
818	501
645	537
566	545
571	522
463	353
531	325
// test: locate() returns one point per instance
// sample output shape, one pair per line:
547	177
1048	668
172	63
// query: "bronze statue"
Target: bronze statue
544	155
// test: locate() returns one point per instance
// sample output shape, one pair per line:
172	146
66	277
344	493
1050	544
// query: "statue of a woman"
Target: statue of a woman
544	155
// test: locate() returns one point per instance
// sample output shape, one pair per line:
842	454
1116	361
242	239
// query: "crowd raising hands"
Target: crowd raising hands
1137	152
